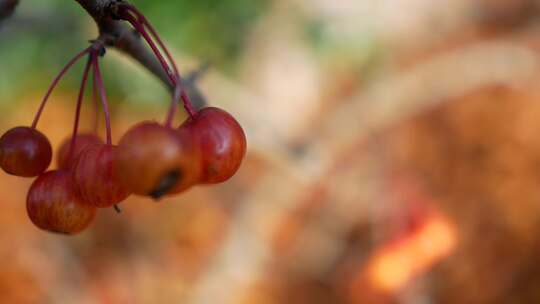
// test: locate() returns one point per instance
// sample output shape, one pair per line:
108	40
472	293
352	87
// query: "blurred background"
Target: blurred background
393	155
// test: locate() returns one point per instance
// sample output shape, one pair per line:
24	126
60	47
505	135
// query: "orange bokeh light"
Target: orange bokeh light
395	263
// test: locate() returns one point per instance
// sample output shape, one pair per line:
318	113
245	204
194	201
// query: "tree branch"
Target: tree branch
117	34
7	7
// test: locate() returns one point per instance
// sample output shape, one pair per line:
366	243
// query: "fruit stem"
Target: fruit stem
96	104
139	26
79	106
188	105
103	95
144	21
55	83
141	30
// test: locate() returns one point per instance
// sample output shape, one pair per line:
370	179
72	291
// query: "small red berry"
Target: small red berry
156	160
222	143
25	152
95	179
81	142
53	204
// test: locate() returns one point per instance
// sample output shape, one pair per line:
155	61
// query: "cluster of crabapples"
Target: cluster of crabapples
150	159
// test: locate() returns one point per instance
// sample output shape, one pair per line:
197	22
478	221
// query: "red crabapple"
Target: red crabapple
53	204
82	142
95	178
221	140
25	152
156	160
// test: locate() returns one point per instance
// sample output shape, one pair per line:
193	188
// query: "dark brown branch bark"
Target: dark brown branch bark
117	34
7	7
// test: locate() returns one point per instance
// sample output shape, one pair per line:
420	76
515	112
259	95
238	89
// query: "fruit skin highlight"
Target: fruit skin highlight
53	204
94	176
222	142
25	152
155	160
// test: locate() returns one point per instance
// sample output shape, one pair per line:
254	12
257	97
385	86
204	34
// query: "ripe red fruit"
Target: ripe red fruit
156	160
82	142
53	204
95	179
25	152
222	143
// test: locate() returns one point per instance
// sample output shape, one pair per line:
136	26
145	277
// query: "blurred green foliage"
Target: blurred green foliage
212	29
43	35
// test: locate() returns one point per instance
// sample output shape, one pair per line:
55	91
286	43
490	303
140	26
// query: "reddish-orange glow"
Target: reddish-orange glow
396	263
